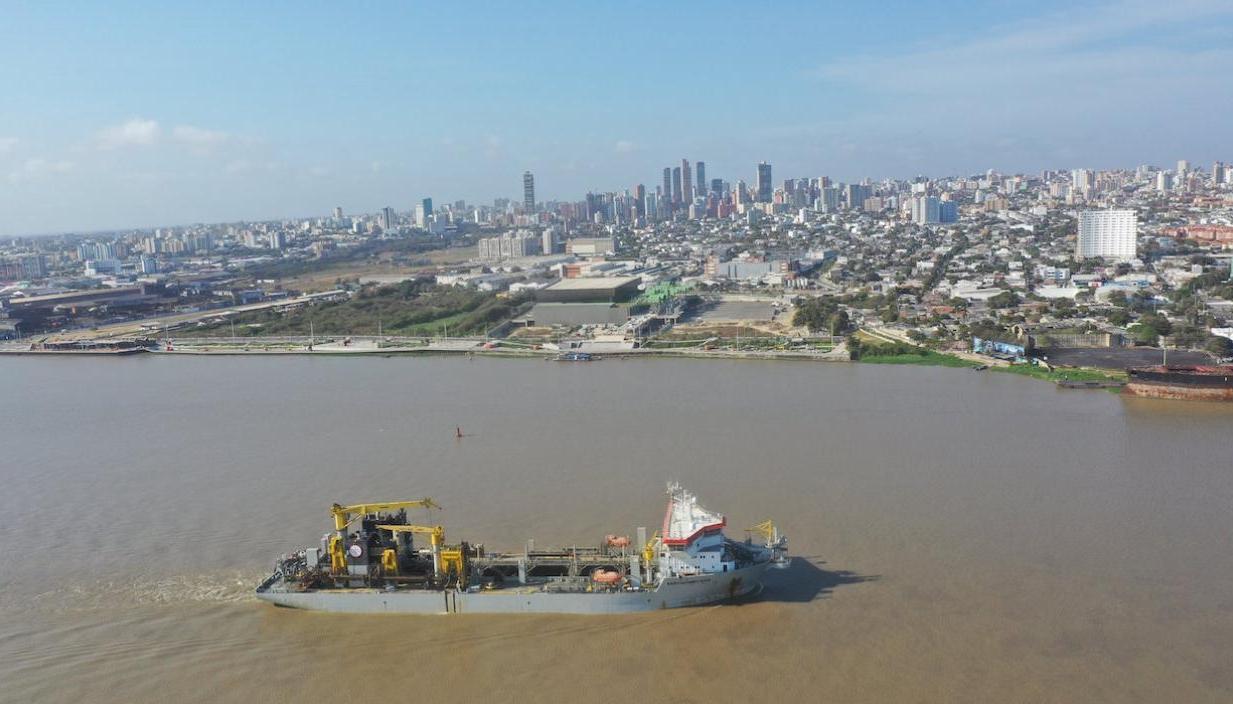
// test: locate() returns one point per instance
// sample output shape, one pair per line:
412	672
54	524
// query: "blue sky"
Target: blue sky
126	114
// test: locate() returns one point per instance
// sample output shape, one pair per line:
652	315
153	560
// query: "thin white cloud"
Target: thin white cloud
1071	44
1088	78
135	132
624	146
39	167
45	166
197	136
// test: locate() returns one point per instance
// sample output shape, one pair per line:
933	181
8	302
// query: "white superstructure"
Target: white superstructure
692	541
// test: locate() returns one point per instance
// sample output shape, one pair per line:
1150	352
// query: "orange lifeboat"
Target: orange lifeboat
605	577
617	541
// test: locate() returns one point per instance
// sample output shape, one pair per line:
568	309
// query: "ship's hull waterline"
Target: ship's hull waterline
672	593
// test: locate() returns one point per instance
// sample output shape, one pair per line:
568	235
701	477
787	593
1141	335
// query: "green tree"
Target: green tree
1005	299
1219	346
815	313
854	347
1158	323
838	322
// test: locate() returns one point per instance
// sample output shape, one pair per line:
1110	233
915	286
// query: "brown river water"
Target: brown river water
962	537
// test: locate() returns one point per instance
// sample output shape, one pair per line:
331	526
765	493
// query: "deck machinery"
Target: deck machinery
372	561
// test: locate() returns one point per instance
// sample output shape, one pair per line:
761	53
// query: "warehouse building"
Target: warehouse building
607	289
585	301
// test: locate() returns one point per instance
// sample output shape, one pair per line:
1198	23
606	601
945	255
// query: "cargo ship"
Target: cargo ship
371	563
1203	383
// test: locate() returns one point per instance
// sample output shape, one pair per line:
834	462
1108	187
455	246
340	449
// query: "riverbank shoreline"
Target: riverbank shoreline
1071	378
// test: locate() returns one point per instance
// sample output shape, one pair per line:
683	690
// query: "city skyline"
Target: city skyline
167	131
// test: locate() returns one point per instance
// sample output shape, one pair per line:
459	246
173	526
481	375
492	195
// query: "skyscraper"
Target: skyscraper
764	182
1082	180
926	210
701	182
423	211
1107	233
528	192
687	188
387	218
667	192
855	195
676	185
338	212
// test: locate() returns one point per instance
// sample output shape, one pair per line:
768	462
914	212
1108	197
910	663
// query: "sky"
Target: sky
123	115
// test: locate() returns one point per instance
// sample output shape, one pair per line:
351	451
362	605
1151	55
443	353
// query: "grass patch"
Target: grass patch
409	308
1061	374
933	359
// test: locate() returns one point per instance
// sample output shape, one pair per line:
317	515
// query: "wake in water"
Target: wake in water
207	588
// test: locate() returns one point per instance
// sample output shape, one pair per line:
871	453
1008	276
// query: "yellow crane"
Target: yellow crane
767	530
777	543
343	515
436	538
648	550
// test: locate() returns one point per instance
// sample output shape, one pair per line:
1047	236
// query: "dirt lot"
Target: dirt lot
734	310
326	279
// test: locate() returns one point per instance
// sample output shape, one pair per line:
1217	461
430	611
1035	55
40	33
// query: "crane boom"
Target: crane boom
437	533
767	530
342	514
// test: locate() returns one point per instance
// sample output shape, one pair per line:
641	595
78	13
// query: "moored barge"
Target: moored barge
1201	383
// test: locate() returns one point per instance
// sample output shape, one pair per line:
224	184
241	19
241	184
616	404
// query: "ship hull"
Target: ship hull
1210	383
672	593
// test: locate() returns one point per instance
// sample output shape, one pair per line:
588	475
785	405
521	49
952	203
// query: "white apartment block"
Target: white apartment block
1110	234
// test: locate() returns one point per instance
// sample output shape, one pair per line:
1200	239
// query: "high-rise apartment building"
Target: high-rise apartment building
387	218
687	187
764	182
828	202
528	192
423	211
33	266
926	210
855	195
701	181
1082	180
1110	234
